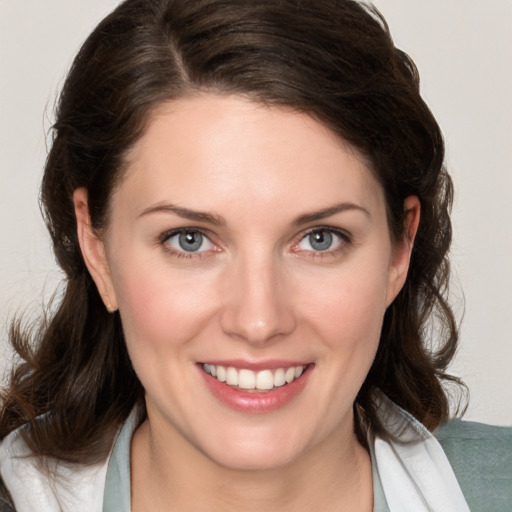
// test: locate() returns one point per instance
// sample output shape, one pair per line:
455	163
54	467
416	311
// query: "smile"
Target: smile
263	380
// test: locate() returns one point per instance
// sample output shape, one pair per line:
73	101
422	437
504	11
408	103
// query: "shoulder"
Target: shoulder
39	484
481	458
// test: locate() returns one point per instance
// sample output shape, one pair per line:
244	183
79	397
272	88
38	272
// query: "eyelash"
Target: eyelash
165	237
345	240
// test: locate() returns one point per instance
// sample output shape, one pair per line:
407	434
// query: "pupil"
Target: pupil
320	240
190	241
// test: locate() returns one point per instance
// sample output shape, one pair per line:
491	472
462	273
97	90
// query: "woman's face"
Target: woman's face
249	240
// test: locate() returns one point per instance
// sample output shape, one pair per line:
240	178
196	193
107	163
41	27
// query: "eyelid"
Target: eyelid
337	231
345	237
166	235
176	231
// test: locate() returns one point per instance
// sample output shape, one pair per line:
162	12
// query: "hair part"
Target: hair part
333	60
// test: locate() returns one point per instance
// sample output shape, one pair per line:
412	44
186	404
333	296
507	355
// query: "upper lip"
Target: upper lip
270	364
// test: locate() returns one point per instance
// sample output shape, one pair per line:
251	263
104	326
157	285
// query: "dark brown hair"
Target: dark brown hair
332	59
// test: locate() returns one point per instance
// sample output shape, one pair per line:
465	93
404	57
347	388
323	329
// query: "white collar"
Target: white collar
414	471
70	489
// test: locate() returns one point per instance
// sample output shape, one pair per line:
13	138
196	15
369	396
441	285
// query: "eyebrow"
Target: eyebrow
328	212
185	213
218	220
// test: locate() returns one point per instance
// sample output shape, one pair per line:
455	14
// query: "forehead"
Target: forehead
214	150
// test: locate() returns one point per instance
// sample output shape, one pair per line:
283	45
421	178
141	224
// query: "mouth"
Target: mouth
256	381
259	390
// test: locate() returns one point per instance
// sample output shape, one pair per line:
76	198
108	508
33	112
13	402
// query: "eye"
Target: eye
321	240
189	240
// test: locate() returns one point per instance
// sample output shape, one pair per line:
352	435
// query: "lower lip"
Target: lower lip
253	401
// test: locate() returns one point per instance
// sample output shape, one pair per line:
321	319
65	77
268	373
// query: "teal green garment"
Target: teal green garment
379	498
117	486
481	458
116	497
480	455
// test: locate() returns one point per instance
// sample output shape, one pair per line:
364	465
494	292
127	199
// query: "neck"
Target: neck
332	476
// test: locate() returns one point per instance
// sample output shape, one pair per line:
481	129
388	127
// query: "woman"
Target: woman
249	202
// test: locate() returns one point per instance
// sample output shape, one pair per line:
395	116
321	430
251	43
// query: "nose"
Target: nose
257	306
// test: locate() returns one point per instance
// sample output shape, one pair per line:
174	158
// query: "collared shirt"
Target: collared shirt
117	485
416	471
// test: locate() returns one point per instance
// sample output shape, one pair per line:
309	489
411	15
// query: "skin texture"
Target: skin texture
255	292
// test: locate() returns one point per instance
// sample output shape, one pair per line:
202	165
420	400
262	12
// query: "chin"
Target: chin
256	452
241	460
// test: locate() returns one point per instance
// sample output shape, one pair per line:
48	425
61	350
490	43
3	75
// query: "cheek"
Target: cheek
349	308
161	308
163	314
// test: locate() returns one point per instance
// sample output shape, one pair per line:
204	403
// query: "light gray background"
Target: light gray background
463	49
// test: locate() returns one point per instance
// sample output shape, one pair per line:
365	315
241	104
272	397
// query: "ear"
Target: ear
93	250
401	255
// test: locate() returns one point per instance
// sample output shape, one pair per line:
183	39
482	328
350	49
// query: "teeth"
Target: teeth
264	380
231	377
221	373
247	379
279	378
